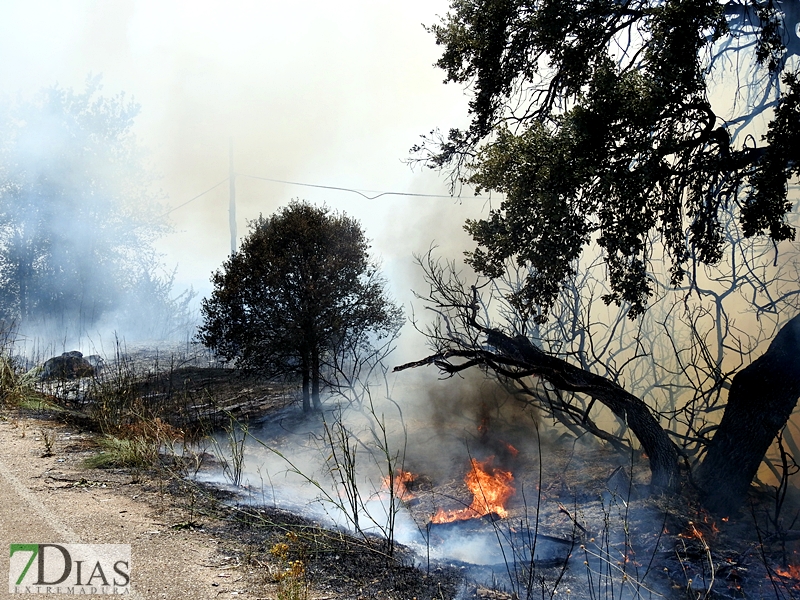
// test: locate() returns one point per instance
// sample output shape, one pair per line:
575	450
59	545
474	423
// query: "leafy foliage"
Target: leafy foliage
595	121
661	135
301	288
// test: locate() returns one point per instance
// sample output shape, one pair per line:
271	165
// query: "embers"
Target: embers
790	575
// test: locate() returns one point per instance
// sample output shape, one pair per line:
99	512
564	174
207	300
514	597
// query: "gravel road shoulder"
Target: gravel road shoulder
51	497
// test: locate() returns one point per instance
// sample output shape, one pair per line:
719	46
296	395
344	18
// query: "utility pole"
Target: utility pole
232	205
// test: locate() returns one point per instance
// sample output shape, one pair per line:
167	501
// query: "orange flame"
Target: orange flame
399	484
691	532
790	572
491	488
511	450
700	531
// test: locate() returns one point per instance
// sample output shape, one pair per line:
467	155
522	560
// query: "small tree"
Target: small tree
300	289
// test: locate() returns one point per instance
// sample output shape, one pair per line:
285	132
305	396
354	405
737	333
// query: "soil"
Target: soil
48	497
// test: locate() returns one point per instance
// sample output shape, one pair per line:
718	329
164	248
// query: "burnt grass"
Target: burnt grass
337	563
686	553
194	401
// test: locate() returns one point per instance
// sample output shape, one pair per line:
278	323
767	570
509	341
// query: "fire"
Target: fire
491	488
790	572
511	450
700	531
399	484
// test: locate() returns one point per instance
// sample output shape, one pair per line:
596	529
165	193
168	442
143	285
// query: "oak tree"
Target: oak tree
629	129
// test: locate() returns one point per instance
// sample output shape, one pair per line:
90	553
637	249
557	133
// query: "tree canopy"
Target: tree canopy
78	217
620	123
640	148
299	294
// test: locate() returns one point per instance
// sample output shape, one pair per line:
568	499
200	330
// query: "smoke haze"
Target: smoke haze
320	93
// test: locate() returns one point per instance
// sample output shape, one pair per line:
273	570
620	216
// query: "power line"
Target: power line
362	193
195	198
355	191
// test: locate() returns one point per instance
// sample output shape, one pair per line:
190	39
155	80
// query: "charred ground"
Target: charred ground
581	510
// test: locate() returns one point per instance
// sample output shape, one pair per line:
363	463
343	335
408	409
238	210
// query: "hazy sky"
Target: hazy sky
332	93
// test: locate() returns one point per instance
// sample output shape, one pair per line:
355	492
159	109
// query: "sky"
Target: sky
316	92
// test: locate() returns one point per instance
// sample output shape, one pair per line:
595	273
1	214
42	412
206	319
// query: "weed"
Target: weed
137	452
33	401
236	436
343	448
113	396
291	574
48	439
13	388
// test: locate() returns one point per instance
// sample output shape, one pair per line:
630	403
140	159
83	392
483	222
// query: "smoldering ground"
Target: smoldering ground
433	430
428	428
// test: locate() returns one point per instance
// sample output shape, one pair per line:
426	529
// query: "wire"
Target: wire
193	199
377	193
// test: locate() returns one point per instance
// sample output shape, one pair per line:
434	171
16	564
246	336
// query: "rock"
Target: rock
96	361
70	365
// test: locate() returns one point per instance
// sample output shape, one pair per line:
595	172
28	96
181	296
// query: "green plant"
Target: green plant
16	388
11	387
139	451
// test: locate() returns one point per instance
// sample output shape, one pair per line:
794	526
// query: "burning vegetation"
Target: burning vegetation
491	489
630	127
562	512
399	482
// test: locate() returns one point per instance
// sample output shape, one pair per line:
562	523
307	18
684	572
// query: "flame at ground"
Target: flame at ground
790	572
398	483
491	488
700	531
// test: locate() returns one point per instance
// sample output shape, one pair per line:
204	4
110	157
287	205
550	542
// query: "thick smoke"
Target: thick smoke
78	218
467	416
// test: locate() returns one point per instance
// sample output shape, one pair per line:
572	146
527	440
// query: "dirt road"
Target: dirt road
53	499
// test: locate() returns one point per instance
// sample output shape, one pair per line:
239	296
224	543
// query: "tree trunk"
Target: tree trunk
760	401
315	379
306	380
